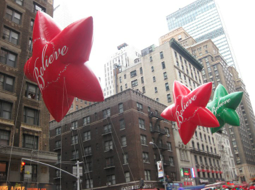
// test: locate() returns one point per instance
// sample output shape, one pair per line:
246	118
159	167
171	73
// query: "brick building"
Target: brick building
24	128
112	139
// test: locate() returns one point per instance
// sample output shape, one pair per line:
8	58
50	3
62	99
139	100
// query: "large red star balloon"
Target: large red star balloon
58	65
190	109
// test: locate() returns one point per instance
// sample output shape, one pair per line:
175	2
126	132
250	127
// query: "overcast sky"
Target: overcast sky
141	22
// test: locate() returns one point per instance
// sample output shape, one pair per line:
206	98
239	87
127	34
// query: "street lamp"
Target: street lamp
161	159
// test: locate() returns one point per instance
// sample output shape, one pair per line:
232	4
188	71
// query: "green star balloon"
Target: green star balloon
223	107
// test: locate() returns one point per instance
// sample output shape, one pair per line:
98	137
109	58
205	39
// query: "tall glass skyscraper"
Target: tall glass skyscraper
202	21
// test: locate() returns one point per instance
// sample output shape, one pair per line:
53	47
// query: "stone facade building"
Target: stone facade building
24	127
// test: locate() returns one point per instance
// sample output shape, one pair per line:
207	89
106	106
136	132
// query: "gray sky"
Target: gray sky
141	22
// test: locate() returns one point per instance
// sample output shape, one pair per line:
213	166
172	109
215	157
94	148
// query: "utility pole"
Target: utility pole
161	159
77	176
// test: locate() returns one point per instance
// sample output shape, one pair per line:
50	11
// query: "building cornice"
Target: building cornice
181	50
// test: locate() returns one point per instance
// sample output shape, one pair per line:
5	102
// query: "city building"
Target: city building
201	19
217	71
125	56
24	118
199	160
243	137
112	138
156	72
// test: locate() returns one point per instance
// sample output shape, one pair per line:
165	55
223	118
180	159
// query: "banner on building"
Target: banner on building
160	169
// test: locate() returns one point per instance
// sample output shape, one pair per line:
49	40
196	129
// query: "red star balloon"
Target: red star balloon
190	109
58	65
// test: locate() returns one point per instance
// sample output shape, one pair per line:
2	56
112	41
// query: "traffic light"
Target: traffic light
22	165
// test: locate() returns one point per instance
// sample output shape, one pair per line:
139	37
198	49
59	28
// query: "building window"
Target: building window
171	160
30	141
89	183
146	157
86	120
143	88
167	132
88	167
167	86
59	157
123	141
125	76
38	8
126	85
13	15
134	83
154	79
57	144
107	129
156	90
74	125
87	136
4	138
58	131
143	139
19	2
75	154
30	44
106	113
163	65
108	145
31	116
122	124
120	89
87	151
161	55
109	162
8	58
127	177
141	124
142	81
32	91
169	99
125	158
165	75
32	24
151	59
6	82
147	174
5	109
11	35
139	106
121	109
169	146
111	179
120	79
133	73
141	70
76	107
75	139
152	69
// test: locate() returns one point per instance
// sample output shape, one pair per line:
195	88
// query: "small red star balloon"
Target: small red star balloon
190	109
58	65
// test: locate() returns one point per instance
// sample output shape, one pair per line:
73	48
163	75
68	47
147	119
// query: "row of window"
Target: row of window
28	141
203	161
6	56
161	55
7	83
31	116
